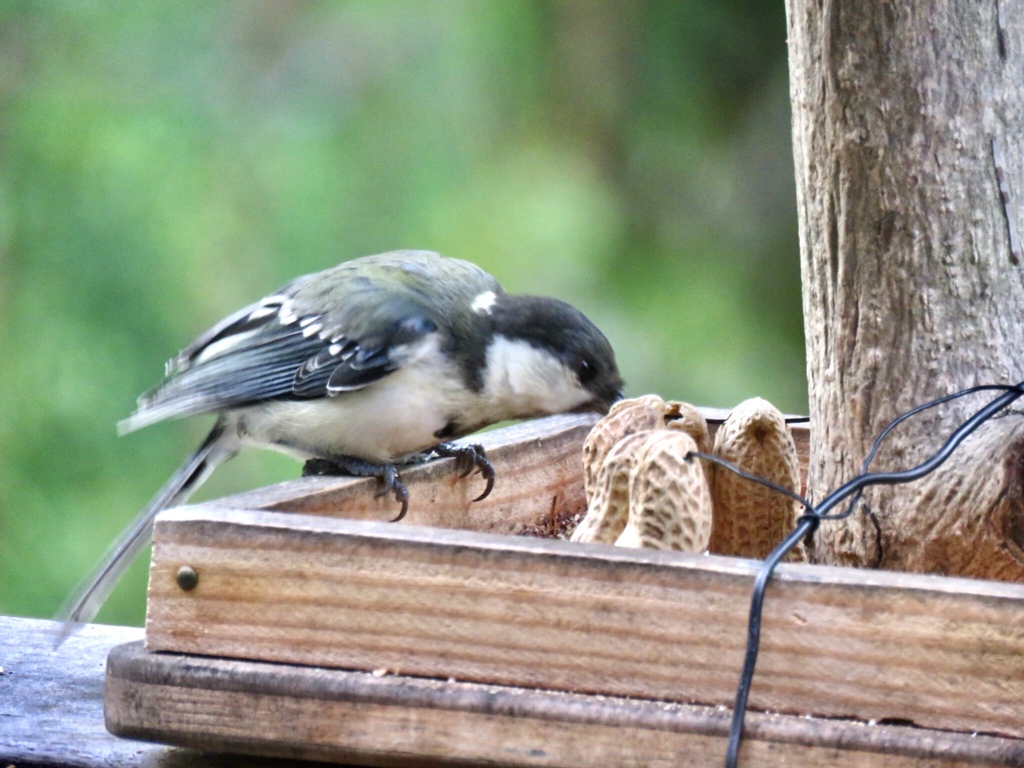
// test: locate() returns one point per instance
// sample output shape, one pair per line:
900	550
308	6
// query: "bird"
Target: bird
360	369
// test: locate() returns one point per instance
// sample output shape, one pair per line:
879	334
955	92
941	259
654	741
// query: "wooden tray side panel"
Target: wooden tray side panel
355	717
539	485
942	653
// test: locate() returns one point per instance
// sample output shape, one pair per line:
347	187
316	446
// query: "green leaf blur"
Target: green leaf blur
162	164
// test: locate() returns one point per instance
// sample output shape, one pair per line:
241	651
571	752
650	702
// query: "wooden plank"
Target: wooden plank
51	701
51	704
938	652
539	486
356	716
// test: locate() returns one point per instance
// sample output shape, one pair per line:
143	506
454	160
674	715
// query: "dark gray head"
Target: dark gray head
587	377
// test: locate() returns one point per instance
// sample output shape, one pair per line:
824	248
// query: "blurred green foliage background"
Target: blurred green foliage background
163	164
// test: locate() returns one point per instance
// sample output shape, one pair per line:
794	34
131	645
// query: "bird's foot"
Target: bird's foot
467	458
347	465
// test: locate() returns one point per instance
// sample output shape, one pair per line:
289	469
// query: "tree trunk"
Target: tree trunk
908	119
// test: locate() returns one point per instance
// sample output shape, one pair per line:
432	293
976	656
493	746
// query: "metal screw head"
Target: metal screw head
187	578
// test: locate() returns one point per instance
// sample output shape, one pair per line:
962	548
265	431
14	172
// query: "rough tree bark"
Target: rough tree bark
908	119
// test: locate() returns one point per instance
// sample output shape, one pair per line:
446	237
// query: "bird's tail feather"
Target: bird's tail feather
84	603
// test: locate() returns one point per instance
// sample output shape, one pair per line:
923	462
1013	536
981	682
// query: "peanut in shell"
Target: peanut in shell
609	505
685	418
669	496
626	417
750	520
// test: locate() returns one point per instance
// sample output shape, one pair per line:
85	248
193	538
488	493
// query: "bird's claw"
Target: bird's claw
387	474
467	458
402	497
390	482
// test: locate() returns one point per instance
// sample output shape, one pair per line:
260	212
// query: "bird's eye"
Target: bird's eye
586	371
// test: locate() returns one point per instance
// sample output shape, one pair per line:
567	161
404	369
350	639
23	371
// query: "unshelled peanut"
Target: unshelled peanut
750	520
626	417
669	496
609	506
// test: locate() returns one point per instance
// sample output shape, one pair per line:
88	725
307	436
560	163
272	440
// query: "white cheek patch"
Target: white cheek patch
483	302
527	381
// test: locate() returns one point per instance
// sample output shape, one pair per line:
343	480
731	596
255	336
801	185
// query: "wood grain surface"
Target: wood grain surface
275	709
301	589
51	705
539	483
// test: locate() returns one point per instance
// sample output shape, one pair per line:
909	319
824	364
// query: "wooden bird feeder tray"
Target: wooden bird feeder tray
319	630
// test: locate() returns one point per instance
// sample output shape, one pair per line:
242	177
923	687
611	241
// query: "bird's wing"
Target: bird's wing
289	346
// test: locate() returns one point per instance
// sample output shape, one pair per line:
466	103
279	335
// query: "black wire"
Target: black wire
907	475
877	444
809	522
750	476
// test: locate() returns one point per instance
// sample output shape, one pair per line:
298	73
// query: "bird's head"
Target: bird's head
546	357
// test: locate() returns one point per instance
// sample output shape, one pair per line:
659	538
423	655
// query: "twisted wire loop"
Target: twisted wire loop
808	522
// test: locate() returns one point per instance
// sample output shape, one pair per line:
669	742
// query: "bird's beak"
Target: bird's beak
616	396
599	404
